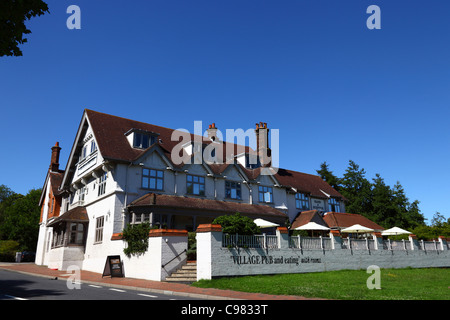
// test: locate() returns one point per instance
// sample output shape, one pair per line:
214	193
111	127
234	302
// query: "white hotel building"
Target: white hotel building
120	171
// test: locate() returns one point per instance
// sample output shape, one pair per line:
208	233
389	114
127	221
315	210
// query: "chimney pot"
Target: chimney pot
54	162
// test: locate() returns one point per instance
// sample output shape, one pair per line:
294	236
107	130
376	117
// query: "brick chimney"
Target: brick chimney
212	132
54	163
262	143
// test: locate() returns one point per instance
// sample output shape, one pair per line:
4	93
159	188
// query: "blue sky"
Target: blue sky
336	90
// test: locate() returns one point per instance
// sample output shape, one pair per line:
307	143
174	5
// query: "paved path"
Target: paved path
145	285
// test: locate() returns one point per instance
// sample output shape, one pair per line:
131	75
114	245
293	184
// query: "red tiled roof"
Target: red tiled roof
77	214
216	206
55	181
344	220
308	183
308	216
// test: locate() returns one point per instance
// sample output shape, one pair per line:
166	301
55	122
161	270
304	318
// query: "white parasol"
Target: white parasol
265	224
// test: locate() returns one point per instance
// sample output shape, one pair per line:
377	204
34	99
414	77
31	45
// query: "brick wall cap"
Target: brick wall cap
167	233
335	232
378	234
208	227
117	236
282	229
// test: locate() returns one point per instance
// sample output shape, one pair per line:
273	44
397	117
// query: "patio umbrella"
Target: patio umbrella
357	228
312	226
265	224
394	231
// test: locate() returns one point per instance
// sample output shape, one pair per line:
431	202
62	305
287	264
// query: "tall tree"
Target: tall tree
357	189
327	175
21	220
13	14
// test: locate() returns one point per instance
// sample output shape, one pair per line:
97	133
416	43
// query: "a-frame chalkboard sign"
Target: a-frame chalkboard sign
113	267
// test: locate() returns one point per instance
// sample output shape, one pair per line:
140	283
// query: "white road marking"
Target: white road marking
147	295
94	286
118	290
16	298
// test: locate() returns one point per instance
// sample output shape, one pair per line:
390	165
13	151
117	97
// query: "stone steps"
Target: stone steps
186	274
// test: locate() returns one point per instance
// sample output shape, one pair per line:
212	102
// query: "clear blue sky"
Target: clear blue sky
336	90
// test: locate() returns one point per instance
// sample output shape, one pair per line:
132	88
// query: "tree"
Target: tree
327	175
13	14
357	189
20	219
236	223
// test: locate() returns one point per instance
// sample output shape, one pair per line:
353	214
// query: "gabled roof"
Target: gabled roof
110	134
308	183
55	182
334	220
337	220
308	216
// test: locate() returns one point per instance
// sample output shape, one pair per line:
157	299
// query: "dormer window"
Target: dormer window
141	139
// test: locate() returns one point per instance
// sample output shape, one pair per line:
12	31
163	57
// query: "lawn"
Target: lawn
396	284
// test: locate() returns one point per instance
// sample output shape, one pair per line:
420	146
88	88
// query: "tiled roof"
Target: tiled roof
308	183
334	220
110	130
55	181
77	214
344	220
214	206
308	216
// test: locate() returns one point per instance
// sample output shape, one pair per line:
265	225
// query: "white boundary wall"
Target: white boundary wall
214	260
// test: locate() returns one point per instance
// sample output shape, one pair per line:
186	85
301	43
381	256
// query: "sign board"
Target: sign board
113	267
317	204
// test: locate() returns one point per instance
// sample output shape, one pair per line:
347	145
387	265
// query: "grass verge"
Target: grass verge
396	284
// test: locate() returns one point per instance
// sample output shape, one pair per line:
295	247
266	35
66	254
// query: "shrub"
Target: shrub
136	237
237	224
8	249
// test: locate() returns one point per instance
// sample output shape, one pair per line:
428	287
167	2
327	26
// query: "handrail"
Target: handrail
163	265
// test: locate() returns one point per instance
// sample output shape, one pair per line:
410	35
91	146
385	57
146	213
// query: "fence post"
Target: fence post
299	242
378	238
336	240
443	243
414	242
209	242
282	237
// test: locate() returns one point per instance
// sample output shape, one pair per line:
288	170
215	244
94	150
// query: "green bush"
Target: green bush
192	246
136	236
236	223
8	249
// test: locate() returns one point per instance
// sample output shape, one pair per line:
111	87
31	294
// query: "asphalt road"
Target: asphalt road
17	286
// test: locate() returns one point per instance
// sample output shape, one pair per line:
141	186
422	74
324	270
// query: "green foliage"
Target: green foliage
192	246
438	227
136	236
328	176
385	205
13	14
237	224
19	218
8	249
